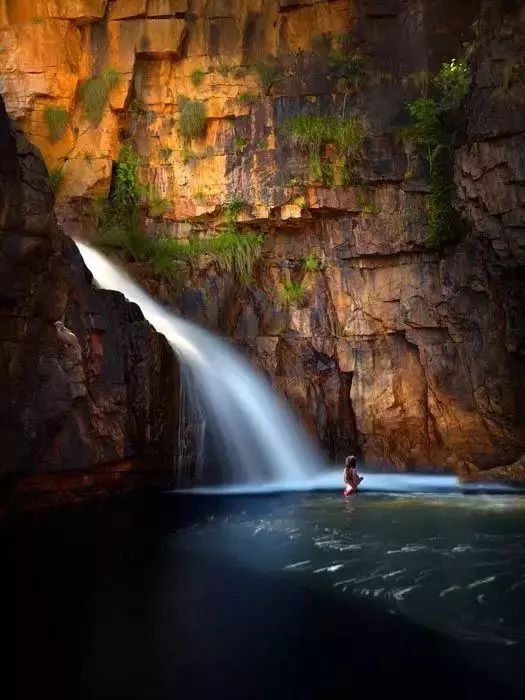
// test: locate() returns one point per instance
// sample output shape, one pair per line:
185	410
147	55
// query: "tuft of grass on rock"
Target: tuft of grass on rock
56	119
192	118
94	94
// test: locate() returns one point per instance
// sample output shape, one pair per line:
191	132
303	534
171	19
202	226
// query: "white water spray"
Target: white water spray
254	433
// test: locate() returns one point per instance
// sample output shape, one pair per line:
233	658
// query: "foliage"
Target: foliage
235	252
270	72
188	156
56	119
119	216
421	80
232	252
431	134
366	206
425	131
349	70
246	98
56	178
292	293
192	118
197	77
94	94
233	208
442	219
453	82
312	263
239	145
314	134
157	205
311	133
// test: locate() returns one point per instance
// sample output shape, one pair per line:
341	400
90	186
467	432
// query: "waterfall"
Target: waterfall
253	434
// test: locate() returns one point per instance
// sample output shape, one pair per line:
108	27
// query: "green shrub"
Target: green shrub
119	215
431	134
246	98
56	178
192	118
349	70
442	217
233	208
56	119
312	263
239	145
292	294
197	77
94	94
157	205
270	72
453	82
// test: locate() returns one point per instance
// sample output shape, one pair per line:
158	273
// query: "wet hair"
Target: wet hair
350	461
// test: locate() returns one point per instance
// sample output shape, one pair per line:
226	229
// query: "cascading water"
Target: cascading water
252	432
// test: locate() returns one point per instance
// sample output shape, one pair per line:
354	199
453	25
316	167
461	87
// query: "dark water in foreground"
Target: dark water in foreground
291	596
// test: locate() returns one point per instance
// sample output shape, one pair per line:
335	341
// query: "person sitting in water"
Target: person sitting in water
350	475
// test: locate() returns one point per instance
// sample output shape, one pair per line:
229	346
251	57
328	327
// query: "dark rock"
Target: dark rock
85	382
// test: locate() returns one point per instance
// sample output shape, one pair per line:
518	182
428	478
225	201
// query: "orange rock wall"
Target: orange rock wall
412	356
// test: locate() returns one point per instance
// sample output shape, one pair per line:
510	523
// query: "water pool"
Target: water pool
294	595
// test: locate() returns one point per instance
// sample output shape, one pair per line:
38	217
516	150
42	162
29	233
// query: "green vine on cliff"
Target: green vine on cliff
431	135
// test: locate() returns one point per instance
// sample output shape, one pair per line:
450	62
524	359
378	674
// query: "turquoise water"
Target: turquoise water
295	595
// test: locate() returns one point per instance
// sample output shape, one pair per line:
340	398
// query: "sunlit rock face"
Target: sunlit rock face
413	356
88	391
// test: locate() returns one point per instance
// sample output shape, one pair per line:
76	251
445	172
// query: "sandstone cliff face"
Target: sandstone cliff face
88	391
414	356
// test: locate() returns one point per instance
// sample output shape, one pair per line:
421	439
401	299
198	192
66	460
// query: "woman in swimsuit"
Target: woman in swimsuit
350	475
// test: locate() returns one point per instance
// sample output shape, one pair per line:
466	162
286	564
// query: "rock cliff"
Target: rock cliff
412	354
88	391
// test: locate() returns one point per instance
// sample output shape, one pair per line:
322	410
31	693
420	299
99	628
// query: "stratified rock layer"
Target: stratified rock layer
415	357
88	391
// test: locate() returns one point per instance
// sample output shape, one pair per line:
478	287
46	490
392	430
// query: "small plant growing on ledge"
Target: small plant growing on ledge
192	118
246	98
366	205
56	119
239	145
270	72
94	94
233	208
312	263
56	178
157	205
314	134
197	77
292	293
